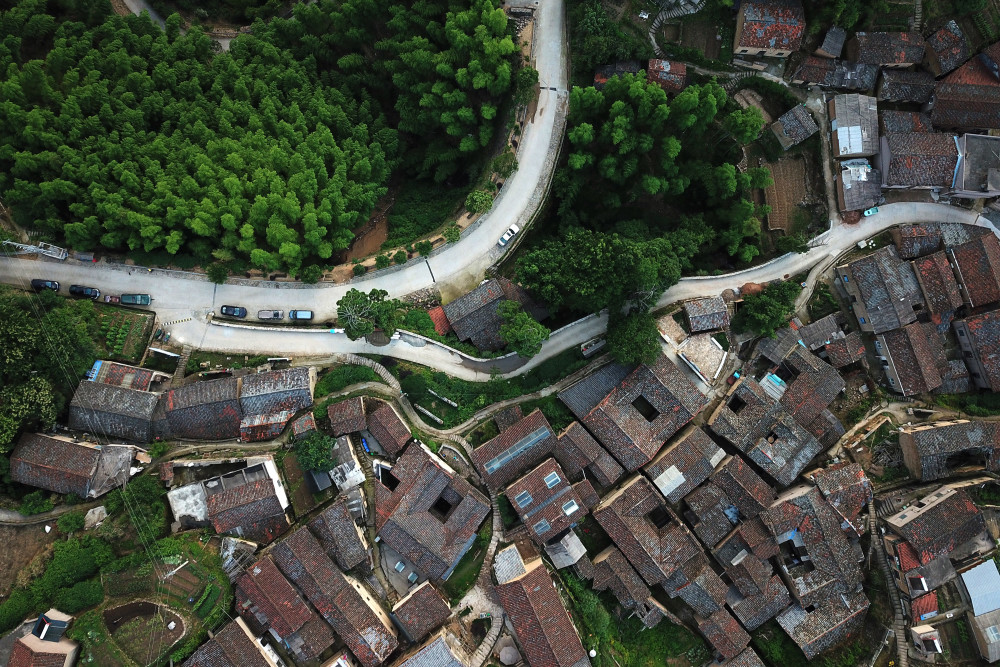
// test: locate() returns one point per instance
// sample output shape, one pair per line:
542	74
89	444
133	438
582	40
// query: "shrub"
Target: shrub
452	234
479	201
344	376
158	449
35	502
15	609
70	523
360	269
382	261
400	257
505	164
424	248
313	452
217	272
80	596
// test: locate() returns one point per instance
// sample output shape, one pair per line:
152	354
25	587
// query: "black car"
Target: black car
234	311
38	285
89	292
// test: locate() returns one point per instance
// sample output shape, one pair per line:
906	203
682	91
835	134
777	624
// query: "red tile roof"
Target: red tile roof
925	604
908	558
966	106
937	281
347	416
421	611
724	633
544	503
772	24
387	428
22	655
440	320
231	647
977	71
532	429
540	620
263	593
984	337
911	353
251	510
55	465
941	529
978	268
847	350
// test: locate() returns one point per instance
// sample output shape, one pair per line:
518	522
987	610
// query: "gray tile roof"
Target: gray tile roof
584	395
435	653
54	465
831	622
785	340
231	647
891	121
337	532
685	464
888	288
112	411
966	106
612	571
708	313
515	450
275	391
347	416
794	126
421	611
754	611
897	85
821	332
204	410
836	74
889	48
833	42
576	450
921	159
949	47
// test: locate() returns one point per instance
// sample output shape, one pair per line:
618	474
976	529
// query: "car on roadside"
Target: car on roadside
38	285
234	311
270	314
135	299
871	211
83	291
301	315
508	235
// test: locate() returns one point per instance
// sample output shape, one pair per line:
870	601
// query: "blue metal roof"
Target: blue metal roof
983	585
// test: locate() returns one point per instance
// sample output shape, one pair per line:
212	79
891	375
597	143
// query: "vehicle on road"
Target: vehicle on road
270	314
88	292
508	235
871	211
135	299
234	311
300	314
38	285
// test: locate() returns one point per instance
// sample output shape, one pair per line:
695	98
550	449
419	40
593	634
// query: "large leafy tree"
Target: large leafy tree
769	310
360	314
521	331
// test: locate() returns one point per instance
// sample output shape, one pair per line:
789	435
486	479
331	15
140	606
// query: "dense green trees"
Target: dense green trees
768	311
595	39
360	314
522	333
313	452
114	134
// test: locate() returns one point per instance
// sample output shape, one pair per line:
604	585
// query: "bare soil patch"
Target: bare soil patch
21	544
701	34
369	239
786	193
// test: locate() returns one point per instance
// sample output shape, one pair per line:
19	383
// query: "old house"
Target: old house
420	611
697	584
114	412
978	175
546	502
63	465
204	410
277	391
639	412
267	603
258	428
859	185
848	491
578	453
967	107
754	610
845	351
902	122
668	75
854	119
946	49
771	28
820	333
340	536
427	513
888	49
918	160
442	650
387	427
942	294
912	358
914	241
899	85
355	615
836	74
726	637
883	290
707	314
794	126
645	529
933	451
46	645
475	317
979	338
977	268
825	625
232	646
833	43
711	513
684	464
605	72
347	416
535	610
514	450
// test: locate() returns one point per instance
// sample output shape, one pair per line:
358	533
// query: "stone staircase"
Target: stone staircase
899	620
731	84
682	8
918	15
178	378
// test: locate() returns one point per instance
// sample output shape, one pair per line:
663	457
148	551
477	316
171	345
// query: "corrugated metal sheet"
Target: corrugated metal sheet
983	584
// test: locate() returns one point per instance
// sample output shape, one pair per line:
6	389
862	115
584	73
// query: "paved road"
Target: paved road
174	294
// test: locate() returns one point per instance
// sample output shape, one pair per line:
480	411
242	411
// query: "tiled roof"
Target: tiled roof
793	127
122	375
54	465
923	605
304	425
784	341
833	42
527	442
435	653
815	386
916	240
966	106
909	559
440	320
848	490
612	571
725	635
984	336
715	512
981	69
938	284
836	74
422	610
671	76
955	437
251	511
810	522
276	391
264	594
772	24
668	400
909	352
433	542
817	334
846	350
337	532
576	450
540	621
711	312
630	515
367	635
889	48
904	86
921	159
748	658
230	647
387	427
856	128
508	417
978	269
826	428
474	316
605	72
347	416
832	621
754	611
902	122
545	492
257	428
949	47
583	396
207	410
685	464
699	586
888	288
749	493
116	412
944	527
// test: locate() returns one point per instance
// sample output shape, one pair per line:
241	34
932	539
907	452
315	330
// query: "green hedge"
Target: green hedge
342	377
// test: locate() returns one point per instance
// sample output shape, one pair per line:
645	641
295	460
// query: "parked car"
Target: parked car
508	235
300	314
270	314
871	211
89	292
234	311
135	299
38	285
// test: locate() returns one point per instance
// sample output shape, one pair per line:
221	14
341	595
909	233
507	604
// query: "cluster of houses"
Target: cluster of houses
474	317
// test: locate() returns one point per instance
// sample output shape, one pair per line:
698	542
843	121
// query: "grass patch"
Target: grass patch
342	377
507	514
420	208
482	433
592	535
467	570
722	339
976	405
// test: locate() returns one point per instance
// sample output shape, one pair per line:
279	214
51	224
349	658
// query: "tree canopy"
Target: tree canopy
360	314
313	452
768	311
522	333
